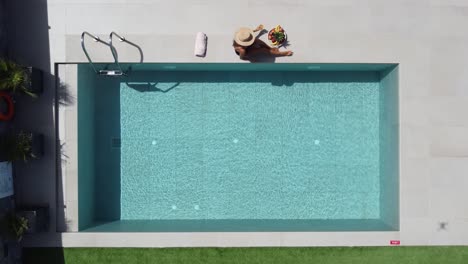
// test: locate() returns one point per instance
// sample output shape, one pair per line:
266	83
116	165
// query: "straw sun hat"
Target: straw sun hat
244	37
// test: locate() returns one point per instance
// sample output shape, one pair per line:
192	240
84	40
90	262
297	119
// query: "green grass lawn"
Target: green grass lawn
361	255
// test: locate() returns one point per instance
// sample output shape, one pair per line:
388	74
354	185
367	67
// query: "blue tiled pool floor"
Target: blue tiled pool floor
250	145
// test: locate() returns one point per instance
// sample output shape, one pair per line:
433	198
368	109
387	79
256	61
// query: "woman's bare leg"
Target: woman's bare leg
273	51
277	52
268	51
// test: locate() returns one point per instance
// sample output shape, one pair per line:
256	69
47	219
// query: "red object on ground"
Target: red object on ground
394	242
10	107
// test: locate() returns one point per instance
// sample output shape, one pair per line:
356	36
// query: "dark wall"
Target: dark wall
389	150
107	148
98	148
3	43
3	38
86	160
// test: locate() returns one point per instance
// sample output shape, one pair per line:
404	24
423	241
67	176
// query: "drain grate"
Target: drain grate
116	142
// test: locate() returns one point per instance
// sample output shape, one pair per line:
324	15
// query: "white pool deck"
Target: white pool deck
428	38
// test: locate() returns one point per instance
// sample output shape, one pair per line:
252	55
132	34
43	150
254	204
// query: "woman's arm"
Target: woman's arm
260	27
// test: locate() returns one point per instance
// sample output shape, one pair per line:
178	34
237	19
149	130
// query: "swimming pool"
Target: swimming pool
239	147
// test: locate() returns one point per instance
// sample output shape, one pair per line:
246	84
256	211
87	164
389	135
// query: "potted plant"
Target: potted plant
14	77
22	146
37	217
13	226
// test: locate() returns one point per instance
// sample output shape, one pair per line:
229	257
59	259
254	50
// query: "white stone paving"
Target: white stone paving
429	39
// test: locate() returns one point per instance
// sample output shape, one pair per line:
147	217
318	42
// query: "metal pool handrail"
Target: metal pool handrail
101	72
122	39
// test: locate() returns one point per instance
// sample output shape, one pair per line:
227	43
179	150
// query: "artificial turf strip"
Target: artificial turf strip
361	255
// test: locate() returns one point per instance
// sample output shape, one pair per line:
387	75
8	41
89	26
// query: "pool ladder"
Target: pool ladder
107	72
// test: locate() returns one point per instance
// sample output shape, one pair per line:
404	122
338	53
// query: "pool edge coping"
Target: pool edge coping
68	236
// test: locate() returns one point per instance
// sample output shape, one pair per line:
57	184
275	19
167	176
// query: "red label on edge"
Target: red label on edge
394	242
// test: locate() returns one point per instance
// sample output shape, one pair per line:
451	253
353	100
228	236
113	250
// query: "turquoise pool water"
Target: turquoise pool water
234	150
